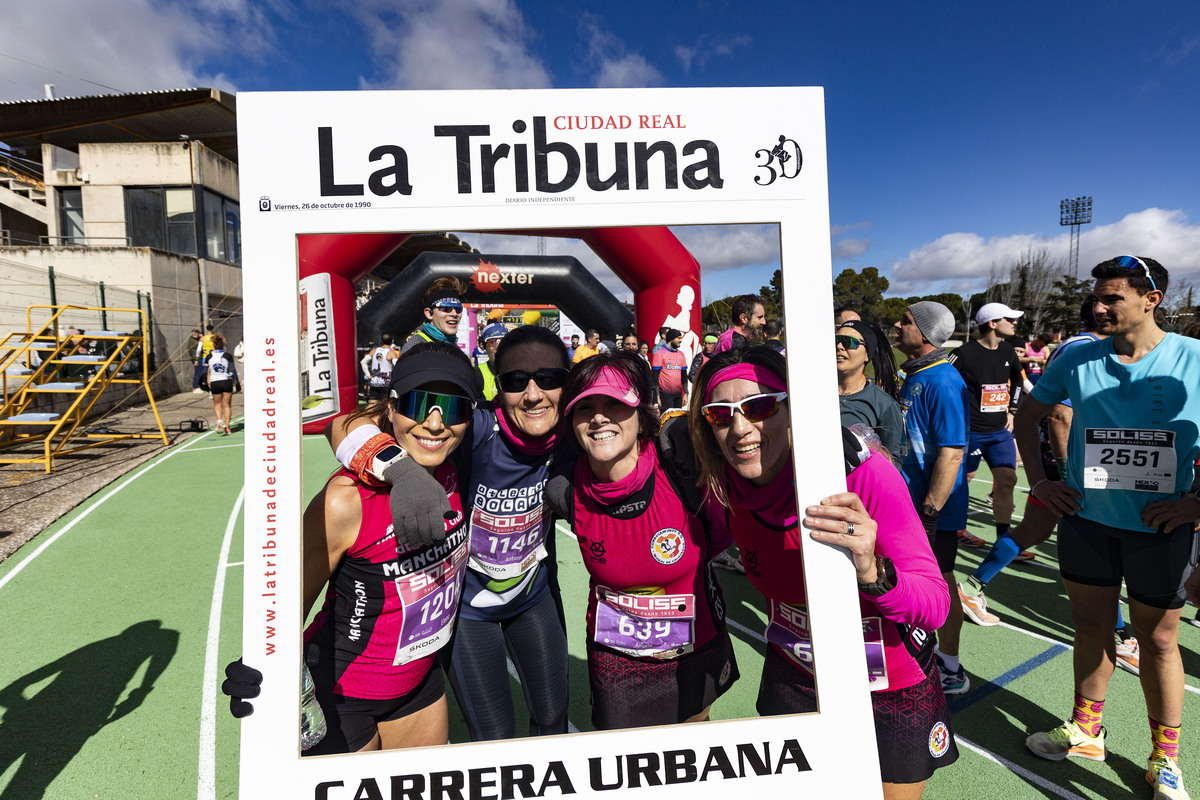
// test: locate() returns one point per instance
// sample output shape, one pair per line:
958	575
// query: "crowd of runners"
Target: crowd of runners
434	545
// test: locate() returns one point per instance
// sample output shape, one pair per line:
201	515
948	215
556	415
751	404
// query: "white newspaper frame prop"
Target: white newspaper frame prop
278	143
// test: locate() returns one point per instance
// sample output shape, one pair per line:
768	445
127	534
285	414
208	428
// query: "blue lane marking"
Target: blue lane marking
963	702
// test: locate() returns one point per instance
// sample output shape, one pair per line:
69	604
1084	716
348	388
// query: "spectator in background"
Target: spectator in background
443	312
1035	357
844	314
589	348
670	365
857	344
771	332
630	342
574	345
492	335
706	351
193	347
747	317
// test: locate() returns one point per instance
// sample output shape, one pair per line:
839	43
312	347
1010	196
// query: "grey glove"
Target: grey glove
420	507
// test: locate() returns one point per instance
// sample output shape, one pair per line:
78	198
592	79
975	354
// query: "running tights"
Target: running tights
537	644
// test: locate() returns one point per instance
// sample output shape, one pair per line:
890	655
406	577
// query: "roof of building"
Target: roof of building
204	115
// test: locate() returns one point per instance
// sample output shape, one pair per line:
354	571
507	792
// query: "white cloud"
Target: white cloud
965	258
450	44
850	248
725	247
705	50
85	47
613	66
838	230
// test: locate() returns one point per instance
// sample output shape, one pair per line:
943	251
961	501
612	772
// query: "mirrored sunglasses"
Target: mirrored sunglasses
1133	262
419	404
516	380
848	342
754	409
448	305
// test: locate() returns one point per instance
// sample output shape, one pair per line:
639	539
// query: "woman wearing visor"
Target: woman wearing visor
740	429
390	606
658	650
511	605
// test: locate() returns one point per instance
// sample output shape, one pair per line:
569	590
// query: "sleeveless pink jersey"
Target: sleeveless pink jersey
775	566
386	612
651	593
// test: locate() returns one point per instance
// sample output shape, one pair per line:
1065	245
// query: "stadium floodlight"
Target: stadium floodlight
1074	213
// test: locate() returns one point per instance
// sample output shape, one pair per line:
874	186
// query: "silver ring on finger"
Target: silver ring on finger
849	528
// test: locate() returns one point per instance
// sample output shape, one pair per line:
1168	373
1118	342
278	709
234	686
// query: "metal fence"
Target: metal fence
25	286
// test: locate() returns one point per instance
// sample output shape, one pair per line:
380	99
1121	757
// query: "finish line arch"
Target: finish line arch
651	261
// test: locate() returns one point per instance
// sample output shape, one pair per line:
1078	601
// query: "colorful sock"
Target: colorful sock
1086	715
1002	529
1000	556
1165	740
949	662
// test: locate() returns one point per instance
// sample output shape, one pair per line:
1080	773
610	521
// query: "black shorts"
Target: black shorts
912	730
353	722
784	688
221	387
632	692
945	550
1153	565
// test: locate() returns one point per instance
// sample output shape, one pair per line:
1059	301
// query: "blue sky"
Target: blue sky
954	129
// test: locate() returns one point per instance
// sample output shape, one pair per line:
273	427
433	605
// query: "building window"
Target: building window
70	216
222	229
161	217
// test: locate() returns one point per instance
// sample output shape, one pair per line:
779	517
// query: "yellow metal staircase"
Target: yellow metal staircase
45	361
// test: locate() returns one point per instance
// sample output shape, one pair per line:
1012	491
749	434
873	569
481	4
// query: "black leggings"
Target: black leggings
537	643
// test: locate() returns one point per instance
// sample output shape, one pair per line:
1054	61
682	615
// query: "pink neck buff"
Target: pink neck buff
610	493
774	503
750	372
529	445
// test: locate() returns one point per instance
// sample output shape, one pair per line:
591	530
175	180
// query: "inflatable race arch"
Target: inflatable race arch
664	277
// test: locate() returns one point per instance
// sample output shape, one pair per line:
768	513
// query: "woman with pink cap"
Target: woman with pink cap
742	437
658	651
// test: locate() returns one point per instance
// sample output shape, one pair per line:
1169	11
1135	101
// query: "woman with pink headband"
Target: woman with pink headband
658	651
740	431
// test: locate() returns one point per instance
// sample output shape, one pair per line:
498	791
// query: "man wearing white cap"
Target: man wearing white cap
992	371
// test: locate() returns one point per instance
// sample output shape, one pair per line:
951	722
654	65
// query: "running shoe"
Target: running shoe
1067	740
1024	556
1163	774
975	607
954	682
197	390
1127	655
989	498
1194	620
970	540
728	561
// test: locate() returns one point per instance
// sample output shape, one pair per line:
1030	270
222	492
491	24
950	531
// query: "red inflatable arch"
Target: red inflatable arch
663	275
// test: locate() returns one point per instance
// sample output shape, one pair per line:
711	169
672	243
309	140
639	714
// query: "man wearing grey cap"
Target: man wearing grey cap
934	401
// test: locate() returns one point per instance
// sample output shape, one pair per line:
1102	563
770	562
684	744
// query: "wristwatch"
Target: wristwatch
392	454
885	578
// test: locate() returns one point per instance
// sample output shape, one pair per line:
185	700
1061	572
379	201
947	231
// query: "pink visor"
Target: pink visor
750	372
611	382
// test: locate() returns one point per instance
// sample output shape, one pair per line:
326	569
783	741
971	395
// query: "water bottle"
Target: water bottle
312	718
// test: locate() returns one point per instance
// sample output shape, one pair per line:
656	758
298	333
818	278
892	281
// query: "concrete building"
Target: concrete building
137	191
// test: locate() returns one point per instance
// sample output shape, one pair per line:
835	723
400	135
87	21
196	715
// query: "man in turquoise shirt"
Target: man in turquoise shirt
1126	505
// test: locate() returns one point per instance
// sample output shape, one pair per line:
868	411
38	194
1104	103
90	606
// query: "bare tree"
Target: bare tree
1026	284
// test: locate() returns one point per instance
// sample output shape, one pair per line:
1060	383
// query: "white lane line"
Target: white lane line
737	626
1017	769
41	548
206	786
217	447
